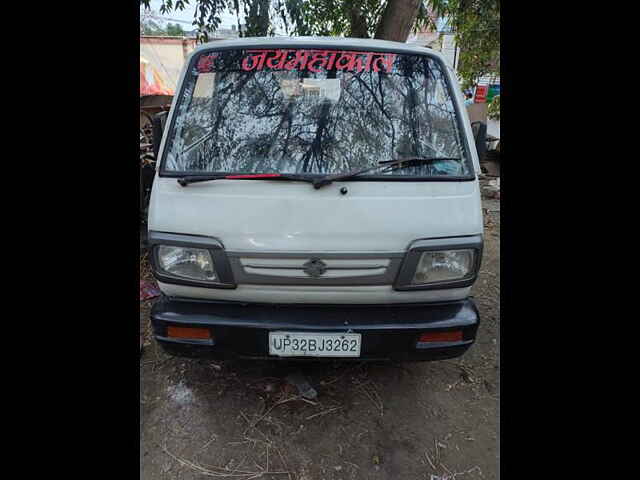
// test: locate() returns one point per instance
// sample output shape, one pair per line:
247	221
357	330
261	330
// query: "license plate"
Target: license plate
305	344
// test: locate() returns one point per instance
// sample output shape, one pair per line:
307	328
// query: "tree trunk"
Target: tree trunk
397	19
257	18
358	23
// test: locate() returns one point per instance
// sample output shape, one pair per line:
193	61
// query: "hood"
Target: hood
266	216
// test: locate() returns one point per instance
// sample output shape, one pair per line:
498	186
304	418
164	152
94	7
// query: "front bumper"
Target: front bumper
389	332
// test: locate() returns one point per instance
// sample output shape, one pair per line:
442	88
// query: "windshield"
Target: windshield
314	112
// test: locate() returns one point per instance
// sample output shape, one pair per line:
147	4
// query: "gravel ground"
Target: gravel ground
240	420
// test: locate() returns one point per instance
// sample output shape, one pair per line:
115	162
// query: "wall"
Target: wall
493	127
449	49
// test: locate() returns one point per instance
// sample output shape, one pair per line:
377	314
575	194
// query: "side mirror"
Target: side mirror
159	121
480	136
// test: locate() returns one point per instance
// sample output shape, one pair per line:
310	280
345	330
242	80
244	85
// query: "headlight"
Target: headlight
439	263
187	262
443	265
193	260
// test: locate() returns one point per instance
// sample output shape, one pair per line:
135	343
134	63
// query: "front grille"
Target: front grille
315	269
294	268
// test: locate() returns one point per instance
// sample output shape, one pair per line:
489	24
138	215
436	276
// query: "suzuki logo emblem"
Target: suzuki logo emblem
314	267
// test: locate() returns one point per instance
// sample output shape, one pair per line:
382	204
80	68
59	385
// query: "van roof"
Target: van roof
317	42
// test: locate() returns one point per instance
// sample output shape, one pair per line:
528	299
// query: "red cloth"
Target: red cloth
148	290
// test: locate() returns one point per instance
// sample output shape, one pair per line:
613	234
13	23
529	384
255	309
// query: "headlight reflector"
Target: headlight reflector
187	262
436	266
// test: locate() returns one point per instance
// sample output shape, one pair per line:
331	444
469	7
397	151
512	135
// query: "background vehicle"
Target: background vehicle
155	97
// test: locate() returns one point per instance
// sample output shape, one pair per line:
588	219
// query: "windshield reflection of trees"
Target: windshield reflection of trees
252	124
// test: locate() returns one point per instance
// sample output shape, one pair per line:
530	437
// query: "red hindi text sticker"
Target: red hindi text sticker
318	60
205	63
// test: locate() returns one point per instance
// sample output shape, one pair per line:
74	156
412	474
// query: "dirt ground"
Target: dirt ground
240	420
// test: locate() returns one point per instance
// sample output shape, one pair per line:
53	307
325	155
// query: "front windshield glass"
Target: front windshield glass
314	112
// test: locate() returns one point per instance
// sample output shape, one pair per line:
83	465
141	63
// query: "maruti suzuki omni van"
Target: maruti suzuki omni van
316	198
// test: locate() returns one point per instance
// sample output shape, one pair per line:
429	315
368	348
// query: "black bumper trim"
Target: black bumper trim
388	331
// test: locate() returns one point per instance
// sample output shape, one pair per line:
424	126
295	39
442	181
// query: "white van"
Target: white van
316	198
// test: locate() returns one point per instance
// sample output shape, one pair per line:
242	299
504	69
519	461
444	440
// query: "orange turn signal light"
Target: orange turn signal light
450	336
188	332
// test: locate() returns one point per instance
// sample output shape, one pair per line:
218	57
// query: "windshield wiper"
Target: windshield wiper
184	181
398	163
317	182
